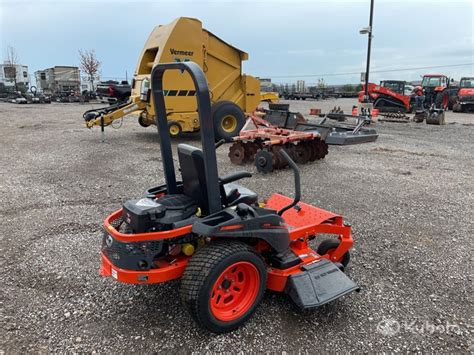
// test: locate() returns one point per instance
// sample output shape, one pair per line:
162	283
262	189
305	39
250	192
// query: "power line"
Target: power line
373	71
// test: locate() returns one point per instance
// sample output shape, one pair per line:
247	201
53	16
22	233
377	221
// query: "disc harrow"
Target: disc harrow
262	145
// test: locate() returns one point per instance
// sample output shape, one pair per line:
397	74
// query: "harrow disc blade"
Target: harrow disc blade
264	161
313	151
301	153
237	153
279	162
251	148
321	149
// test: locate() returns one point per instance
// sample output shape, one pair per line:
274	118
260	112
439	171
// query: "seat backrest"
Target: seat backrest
191	161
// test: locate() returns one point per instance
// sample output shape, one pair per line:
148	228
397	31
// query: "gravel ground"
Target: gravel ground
409	197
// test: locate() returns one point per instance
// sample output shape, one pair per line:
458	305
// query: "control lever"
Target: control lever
219	143
296	172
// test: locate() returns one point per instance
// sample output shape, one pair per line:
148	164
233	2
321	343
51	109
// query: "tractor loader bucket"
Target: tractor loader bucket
435	117
318	284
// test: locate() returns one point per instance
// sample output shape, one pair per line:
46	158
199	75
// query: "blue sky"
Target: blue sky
286	40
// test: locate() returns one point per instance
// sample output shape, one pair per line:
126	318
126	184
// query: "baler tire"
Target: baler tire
227	111
174	129
142	122
200	285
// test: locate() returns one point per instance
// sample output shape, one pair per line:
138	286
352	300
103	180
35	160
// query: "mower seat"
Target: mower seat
191	161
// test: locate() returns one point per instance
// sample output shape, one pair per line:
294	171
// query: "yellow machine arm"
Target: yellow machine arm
109	114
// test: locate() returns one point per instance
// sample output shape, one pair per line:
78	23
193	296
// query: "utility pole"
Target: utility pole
369	44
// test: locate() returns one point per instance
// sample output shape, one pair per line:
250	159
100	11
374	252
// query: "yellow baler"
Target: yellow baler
232	93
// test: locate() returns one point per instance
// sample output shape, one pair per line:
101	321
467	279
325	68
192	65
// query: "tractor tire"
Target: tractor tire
457	107
228	120
442	100
328	246
223	285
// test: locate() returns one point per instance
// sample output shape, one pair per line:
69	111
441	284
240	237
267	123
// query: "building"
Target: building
58	79
8	74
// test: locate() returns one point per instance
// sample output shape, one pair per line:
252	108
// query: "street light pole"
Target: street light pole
369	44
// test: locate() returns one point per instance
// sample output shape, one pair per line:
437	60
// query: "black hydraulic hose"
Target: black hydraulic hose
296	172
219	143
105	109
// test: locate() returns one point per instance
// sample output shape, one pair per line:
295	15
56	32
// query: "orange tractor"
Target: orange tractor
465	96
437	95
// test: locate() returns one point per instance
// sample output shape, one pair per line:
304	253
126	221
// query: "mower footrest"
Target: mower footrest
318	284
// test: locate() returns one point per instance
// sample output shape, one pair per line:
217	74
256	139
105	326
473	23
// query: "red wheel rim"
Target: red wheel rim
234	291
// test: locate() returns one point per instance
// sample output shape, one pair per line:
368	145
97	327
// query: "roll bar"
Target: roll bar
207	129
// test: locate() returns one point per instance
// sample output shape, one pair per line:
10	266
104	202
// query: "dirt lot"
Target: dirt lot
409	197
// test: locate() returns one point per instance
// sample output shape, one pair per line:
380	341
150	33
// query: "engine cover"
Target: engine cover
150	214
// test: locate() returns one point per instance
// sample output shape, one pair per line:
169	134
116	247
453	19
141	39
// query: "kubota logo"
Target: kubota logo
179	52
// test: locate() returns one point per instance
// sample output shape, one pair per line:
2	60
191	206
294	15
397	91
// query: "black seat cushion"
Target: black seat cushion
191	161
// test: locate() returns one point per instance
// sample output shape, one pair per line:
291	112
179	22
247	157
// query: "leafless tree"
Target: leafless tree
11	63
90	65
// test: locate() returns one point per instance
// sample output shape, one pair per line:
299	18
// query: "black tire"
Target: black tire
141	122
222	112
457	106
442	100
331	244
201	274
174	129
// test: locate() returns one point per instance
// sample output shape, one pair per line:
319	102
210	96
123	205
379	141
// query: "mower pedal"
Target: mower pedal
318	284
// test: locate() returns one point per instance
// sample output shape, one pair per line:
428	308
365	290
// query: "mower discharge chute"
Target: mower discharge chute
212	233
304	141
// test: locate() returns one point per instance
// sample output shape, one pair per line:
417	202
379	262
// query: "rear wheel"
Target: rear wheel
228	120
442	100
223	284
328	246
142	122
174	128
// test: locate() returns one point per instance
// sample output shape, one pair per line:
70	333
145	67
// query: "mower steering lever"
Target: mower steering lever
234	177
296	172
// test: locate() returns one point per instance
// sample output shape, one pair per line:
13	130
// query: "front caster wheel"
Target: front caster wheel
328	246
223	284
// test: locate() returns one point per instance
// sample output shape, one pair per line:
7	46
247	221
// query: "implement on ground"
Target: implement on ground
233	94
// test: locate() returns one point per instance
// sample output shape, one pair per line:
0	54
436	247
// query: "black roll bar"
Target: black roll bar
207	129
